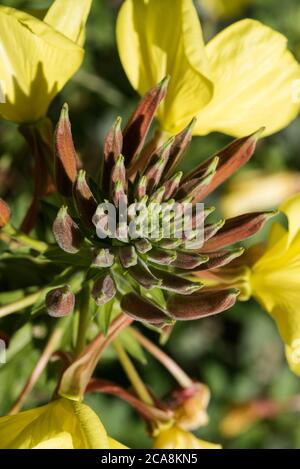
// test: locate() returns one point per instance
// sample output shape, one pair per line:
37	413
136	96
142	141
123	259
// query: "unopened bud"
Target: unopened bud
66	232
104	290
60	301
103	258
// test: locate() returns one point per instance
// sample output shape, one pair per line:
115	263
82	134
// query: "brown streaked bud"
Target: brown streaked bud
128	256
194	187
237	229
5	213
181	142
221	258
65	155
66	232
211	229
231	158
85	201
144	310
112	148
142	274
201	305
141	187
186	261
60	301
139	123
162	257
104	290
118	172
118	193
175	283
103	258
157	196
171	185
157	165
143	245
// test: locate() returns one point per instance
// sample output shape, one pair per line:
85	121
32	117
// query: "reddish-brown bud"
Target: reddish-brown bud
66	232
5	213
60	301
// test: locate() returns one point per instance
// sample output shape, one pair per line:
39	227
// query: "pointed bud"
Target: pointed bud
181	142
104	290
112	148
118	172
201	305
60	301
231	158
128	256
143	310
221	258
65	155
212	229
193	188
157	196
5	213
171	185
157	164
237	229
139	123
170	243
174	283
141	187
103	258
159	256
142	274
66	232
118	193
143	245
85	201
186	261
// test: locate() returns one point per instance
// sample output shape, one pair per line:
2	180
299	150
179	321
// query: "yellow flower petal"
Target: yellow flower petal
156	39
35	64
114	444
176	438
69	18
275	280
60	424
255	79
291	208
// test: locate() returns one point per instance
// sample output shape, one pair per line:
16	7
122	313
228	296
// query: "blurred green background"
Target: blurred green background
239	353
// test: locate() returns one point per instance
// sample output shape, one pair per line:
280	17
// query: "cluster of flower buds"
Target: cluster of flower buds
152	274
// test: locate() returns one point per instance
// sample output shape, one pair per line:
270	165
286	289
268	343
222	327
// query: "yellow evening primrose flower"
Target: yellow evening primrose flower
176	438
61	424
275	279
38	57
243	79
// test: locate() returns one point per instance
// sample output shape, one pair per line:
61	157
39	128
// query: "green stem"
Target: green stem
181	377
22	238
132	374
10	308
84	319
51	346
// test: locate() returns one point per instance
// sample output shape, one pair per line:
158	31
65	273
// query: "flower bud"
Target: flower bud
60	301
104	290
66	232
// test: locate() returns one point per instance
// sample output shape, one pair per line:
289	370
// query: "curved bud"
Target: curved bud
65	155
85	201
60	301
66	232
104	290
143	310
